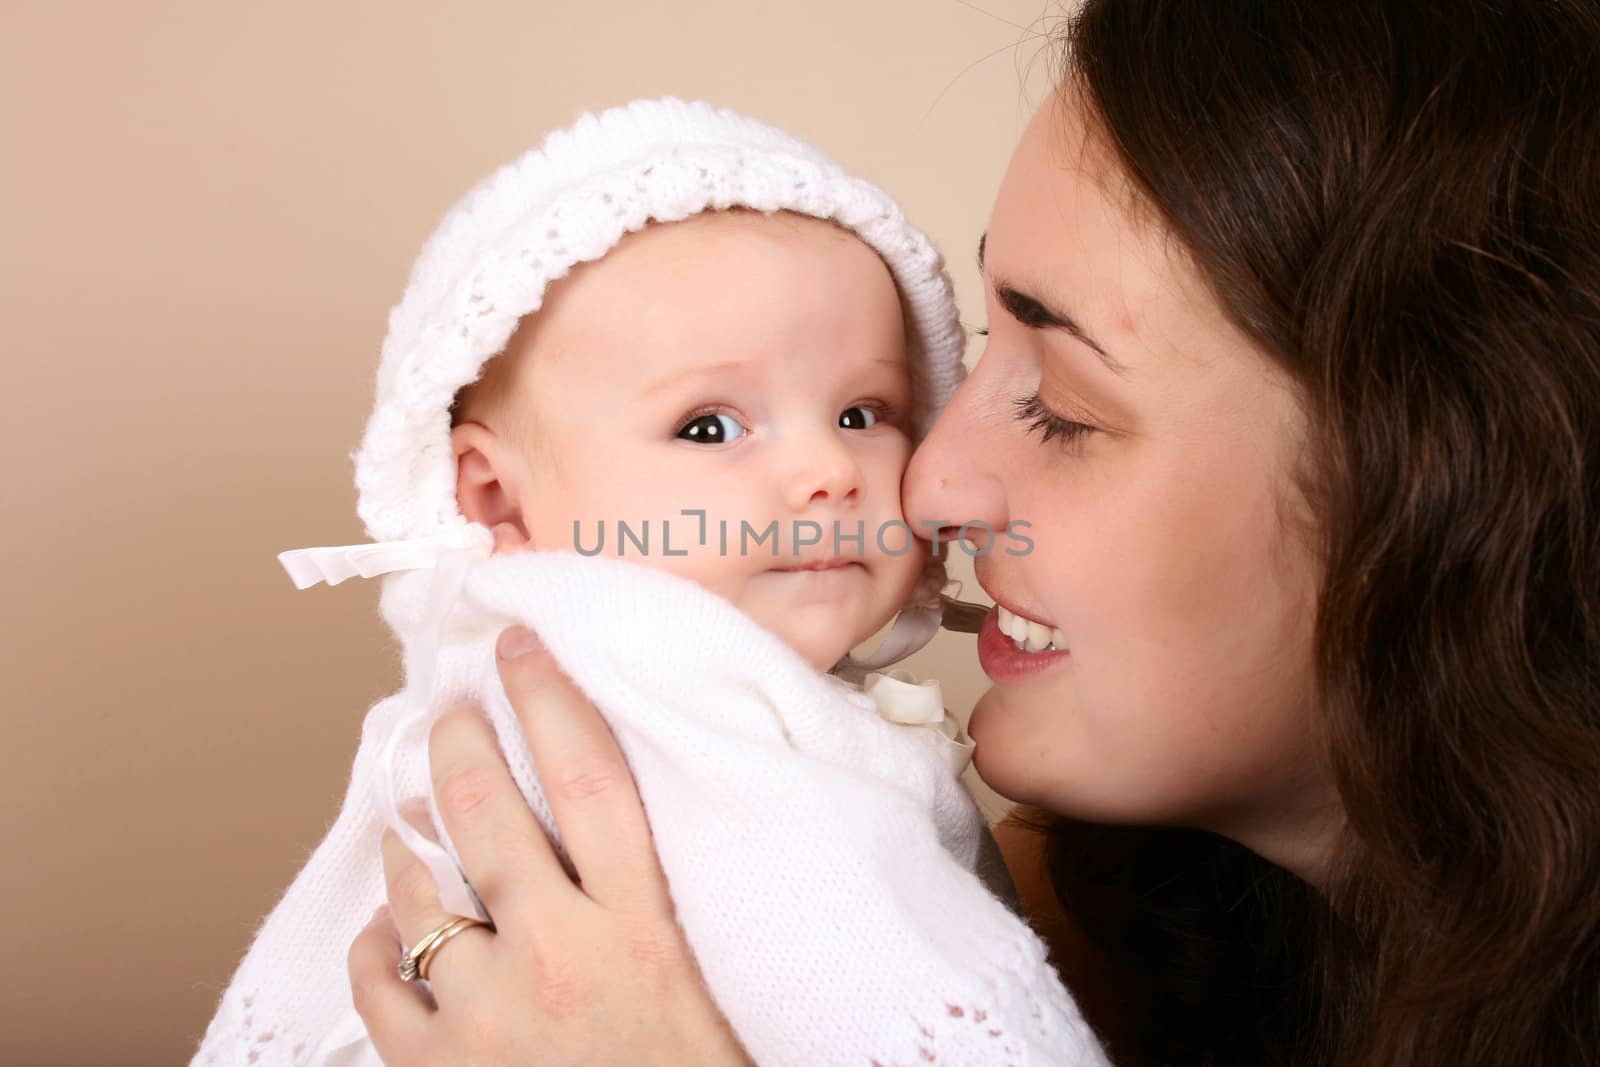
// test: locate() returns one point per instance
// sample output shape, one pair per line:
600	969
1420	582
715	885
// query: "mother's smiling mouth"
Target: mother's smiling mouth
1029	634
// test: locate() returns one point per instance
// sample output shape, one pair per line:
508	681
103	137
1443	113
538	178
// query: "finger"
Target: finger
395	1012
414	902
590	788
502	847
413	894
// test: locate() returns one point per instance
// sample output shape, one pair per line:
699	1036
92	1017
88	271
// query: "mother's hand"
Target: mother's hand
596	973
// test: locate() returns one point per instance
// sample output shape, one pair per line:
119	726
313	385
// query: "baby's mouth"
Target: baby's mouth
832	563
1030	636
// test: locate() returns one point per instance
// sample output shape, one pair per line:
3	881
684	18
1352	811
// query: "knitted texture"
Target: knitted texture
820	858
569	201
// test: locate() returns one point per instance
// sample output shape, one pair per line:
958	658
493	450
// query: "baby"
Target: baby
651	391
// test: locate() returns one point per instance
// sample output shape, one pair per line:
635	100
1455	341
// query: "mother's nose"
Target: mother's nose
955	474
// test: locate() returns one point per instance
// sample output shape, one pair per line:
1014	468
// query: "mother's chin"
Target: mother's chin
1008	755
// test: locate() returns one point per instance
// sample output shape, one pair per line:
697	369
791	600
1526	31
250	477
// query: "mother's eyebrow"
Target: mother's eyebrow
1036	314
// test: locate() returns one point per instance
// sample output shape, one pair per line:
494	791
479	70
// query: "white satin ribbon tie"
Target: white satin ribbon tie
901	699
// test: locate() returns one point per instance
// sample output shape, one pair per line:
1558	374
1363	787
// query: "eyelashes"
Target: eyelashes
1030	410
1032	413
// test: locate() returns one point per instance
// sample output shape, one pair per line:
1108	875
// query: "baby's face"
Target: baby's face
749	367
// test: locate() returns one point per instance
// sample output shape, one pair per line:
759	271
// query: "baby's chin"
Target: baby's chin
823	645
820	650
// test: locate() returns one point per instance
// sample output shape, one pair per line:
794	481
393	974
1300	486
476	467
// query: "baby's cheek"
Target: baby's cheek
898	576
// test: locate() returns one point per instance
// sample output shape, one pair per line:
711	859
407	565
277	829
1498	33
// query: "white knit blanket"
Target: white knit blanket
821	859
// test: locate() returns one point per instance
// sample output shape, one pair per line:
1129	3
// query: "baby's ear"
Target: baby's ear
489	480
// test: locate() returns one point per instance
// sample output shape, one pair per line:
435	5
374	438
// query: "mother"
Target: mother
1295	371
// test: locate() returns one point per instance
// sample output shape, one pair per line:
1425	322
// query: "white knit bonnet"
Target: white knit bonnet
570	201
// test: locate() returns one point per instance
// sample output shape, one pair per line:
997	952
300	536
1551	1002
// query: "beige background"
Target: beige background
208	209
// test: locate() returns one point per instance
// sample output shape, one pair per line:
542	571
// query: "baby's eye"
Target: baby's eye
711	429
858	418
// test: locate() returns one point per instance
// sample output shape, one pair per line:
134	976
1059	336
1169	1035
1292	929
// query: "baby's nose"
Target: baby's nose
825	472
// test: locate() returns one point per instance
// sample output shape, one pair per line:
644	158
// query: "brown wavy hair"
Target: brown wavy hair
1399	202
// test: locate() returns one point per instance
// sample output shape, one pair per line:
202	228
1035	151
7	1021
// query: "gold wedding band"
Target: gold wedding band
414	964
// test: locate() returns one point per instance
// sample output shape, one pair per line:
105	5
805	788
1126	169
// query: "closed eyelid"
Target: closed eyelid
1047	423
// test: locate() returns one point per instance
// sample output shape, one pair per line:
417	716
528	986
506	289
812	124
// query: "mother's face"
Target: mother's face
1169	546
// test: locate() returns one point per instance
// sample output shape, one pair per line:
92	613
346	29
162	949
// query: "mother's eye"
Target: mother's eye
1030	410
713	429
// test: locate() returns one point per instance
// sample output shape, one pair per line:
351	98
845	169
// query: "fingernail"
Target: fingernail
516	641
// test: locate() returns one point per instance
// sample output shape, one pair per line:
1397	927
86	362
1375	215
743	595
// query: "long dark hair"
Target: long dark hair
1399	202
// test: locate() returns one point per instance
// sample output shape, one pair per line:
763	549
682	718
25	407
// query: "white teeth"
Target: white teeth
1013	626
1029	636
1038	637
